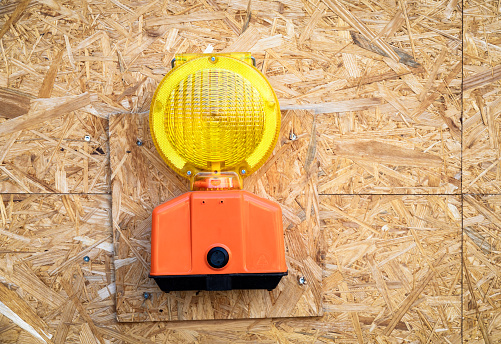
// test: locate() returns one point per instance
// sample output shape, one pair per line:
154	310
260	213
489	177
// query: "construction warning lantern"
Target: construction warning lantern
215	119
214	113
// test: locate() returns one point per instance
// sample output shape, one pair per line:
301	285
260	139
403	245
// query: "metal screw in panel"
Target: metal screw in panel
188	173
86	259
139	142
146	295
301	280
213	59
293	137
87	138
243	171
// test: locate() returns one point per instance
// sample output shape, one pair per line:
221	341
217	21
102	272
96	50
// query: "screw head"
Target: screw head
87	138
301	280
139	142
188	173
146	295
86	259
293	137
213	59
243	171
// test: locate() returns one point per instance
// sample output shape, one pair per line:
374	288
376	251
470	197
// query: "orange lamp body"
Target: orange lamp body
218	236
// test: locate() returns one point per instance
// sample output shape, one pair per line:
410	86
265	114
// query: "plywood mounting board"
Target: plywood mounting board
141	181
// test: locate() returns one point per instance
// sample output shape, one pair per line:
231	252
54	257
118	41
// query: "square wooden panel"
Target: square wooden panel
482	271
56	266
481	100
393	266
392	127
141	181
67	154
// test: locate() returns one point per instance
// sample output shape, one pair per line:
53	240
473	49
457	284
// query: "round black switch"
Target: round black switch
218	257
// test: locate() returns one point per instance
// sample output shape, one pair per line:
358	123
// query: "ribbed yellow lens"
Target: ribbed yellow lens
214	112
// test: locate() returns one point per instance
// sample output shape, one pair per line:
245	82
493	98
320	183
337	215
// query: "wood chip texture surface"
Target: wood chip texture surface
388	169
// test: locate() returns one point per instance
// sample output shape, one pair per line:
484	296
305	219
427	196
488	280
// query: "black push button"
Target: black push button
218	257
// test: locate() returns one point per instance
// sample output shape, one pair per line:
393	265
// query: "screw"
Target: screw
293	137
146	295
213	59
188	173
243	171
139	142
86	259
302	280
87	138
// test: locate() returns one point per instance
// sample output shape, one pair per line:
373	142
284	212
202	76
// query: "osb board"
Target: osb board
482	244
111	50
57	293
57	297
50	294
66	154
481	99
141	181
305	48
396	259
45	280
388	127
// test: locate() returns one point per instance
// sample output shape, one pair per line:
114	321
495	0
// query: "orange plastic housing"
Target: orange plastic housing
186	228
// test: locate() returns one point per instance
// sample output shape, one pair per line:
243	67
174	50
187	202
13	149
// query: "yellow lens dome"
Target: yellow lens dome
214	112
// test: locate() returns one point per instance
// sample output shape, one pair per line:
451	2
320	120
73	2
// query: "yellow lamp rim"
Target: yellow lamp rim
214	61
